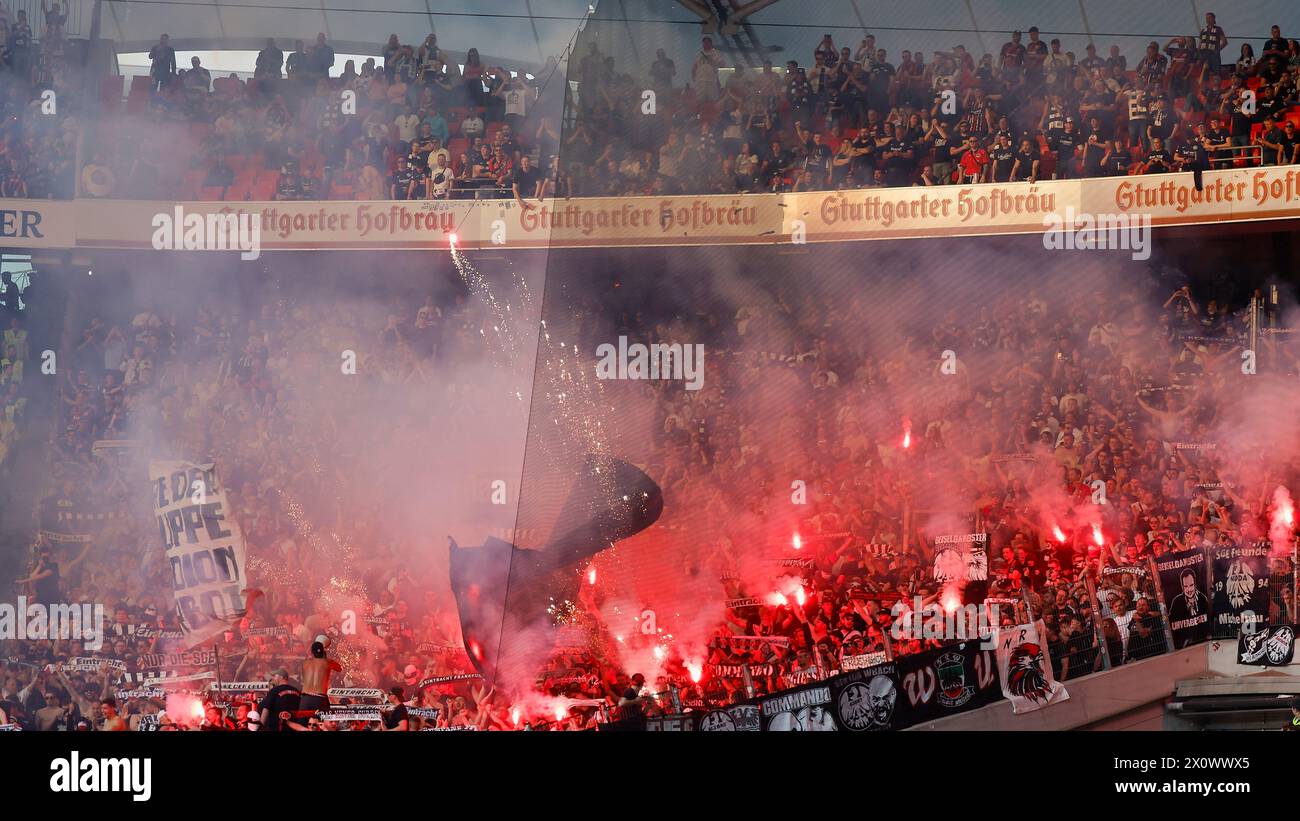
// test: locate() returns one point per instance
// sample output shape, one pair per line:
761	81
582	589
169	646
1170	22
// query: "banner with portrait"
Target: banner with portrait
865	699
1182	584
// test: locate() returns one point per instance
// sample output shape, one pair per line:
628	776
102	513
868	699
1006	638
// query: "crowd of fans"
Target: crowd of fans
419	124
1091	392
856	119
40	106
1091	400
414	124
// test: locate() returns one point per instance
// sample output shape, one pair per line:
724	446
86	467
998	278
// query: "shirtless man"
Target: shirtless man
112	721
316	678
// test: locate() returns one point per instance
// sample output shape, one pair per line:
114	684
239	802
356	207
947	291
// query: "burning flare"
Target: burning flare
696	671
1281	528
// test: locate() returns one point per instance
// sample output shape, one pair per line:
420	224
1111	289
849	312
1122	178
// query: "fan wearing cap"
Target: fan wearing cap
316	672
282	697
396	719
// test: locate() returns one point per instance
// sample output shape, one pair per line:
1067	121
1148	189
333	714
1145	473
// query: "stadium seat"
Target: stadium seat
210	193
137	102
110	91
191	184
227	86
264	185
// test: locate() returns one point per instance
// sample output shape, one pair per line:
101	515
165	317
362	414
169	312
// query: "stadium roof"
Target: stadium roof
521	33
510	32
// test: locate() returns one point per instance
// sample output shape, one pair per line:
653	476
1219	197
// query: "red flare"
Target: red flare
1097	536
951	602
797	541
1058	533
591	575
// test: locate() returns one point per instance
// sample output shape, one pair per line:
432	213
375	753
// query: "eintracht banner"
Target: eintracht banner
1025	670
203	545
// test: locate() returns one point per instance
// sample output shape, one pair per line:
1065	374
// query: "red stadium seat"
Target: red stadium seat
227	86
191	185
137	102
264	185
141	82
210	193
110	90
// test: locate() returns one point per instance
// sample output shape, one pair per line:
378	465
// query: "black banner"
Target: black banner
683	723
1182	583
738	718
1270	647
946	681
1239	587
802	709
865	699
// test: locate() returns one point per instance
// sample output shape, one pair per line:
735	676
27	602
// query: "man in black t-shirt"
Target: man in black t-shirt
1066	145
1003	157
818	159
864	156
1158	160
1287	145
1233	105
1163	123
282	697
942	141
1026	167
406	181
1093	152
524	181
898	156
396	719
